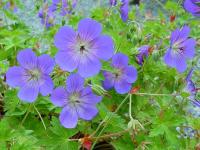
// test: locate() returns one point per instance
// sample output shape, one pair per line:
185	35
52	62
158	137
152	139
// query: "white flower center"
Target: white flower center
177	48
34	74
75	98
117	73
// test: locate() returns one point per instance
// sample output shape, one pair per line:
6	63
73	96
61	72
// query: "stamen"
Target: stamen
34	74
74	98
82	48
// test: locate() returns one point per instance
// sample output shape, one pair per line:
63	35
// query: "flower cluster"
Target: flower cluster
186	132
47	16
47	12
81	52
64	5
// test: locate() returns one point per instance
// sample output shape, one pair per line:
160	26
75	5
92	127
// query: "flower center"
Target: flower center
74	98
117	73
34	74
177	49
82	48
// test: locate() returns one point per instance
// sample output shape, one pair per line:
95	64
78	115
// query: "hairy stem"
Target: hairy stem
40	117
26	115
154	94
104	136
130	109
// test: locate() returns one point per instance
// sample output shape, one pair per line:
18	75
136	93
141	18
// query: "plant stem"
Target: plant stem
130	109
106	120
40	117
104	136
111	135
149	94
26	115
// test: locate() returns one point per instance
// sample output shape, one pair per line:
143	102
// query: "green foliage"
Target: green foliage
21	127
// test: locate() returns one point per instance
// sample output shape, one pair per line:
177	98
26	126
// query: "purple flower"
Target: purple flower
123	75
181	48
47	16
64	5
77	101
143	52
84	48
192	6
64	8
11	5
124	9
196	103
54	5
32	76
189	76
190	87
113	2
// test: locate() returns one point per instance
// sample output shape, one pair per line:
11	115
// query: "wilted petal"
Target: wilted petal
75	83
45	63
27	59
89	29
87	111
28	93
59	97
14	76
68	117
